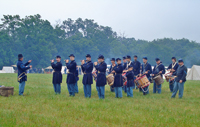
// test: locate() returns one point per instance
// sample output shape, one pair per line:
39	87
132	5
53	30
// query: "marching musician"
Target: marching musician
158	69
130	81
77	78
147	70
172	68
118	80
124	68
110	70
124	62
57	75
87	77
136	66
22	74
101	76
180	79
71	76
129	62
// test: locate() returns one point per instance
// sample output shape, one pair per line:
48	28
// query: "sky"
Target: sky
141	19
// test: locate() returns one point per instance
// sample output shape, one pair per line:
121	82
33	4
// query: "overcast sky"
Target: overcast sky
141	19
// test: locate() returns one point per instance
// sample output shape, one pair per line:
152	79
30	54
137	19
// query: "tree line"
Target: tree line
39	40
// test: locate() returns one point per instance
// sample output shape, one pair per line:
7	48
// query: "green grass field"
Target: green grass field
41	107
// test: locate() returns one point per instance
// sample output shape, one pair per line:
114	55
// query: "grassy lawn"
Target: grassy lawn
41	107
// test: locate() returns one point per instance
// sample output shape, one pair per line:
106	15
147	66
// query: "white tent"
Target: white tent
194	73
8	69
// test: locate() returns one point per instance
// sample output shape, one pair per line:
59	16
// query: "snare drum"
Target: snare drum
158	80
110	79
94	74
142	82
124	79
168	76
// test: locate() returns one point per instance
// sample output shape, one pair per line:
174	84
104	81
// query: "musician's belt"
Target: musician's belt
101	72
88	73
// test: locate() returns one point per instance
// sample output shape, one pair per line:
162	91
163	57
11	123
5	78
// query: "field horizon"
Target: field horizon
41	107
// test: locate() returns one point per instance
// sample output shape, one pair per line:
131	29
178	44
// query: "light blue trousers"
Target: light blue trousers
71	89
76	87
157	88
21	88
57	88
87	90
118	92
101	91
180	87
129	91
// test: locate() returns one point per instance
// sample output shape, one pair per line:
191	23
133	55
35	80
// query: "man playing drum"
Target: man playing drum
130	81
136	66
158	69
110	70
146	70
172	68
124	68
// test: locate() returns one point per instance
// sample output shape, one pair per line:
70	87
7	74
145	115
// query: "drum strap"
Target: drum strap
146	90
158	65
128	64
173	65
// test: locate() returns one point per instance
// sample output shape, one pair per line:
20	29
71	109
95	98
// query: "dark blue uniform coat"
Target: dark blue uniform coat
175	67
101	74
118	81
146	67
22	70
136	67
130	78
57	75
87	70
111	69
181	73
128	64
124	65
158	68
71	76
76	74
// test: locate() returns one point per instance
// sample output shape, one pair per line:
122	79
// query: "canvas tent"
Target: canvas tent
194	73
8	69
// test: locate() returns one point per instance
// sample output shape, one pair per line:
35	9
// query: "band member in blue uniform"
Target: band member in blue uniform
87	77
158	69
130	81
172	68
129	62
180	80
124	62
136	66
71	76
110	70
101	76
146	70
118	80
22	74
77	78
57	75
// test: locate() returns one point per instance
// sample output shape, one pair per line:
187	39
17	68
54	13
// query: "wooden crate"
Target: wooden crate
6	91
